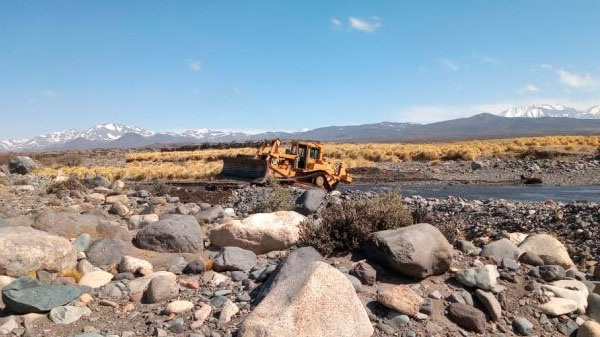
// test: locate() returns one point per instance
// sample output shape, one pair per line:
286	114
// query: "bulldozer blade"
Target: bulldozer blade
244	168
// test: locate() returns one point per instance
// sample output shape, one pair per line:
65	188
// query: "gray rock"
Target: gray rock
593	308
82	243
98	181
419	250
531	259
467	317
67	314
209	215
485	277
25	295
468	247
160	289
510	264
522	326
21	165
500	249
365	272
310	201
490	303
550	273
67	224
234	258
174	233
296	262
177	265
355	282
397	320
105	253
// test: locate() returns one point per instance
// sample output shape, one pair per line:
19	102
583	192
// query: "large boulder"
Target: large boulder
418	250
261	232
24	250
68	224
174	233
21	165
25	295
500	249
317	302
548	248
310	201
295	263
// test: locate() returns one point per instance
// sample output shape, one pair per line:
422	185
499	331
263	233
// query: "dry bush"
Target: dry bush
282	198
70	184
4	158
158	187
343	228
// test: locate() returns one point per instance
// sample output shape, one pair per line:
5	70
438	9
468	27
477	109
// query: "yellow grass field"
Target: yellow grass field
203	164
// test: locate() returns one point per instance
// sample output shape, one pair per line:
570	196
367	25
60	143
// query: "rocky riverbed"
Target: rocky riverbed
105	258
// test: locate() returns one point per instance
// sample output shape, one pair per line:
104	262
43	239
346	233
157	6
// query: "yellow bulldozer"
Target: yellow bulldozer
302	162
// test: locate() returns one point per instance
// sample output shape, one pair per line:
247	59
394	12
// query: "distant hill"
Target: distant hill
482	126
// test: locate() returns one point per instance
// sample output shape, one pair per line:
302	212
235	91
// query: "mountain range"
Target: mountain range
532	120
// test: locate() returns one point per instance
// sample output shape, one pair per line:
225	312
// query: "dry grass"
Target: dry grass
202	164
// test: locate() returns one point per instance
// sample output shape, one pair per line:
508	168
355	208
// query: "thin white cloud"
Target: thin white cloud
50	93
573	80
365	25
236	90
449	64
195	90
195	65
530	88
335	23
486	58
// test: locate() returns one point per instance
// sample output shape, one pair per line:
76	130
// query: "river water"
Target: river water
484	192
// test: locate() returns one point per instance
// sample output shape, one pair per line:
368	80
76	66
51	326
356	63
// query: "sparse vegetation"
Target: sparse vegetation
69	184
206	163
281	199
343	228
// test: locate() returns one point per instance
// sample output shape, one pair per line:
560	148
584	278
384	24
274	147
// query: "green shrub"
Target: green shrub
282	198
343	228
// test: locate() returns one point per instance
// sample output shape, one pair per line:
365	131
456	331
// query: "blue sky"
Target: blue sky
288	65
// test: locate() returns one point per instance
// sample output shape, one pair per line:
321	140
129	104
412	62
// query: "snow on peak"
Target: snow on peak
548	110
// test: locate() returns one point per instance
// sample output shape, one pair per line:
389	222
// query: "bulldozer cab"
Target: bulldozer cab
307	155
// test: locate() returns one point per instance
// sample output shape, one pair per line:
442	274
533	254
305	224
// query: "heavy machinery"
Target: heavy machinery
302	162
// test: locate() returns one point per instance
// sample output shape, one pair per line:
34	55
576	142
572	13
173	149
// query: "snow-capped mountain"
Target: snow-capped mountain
105	133
550	110
595	110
